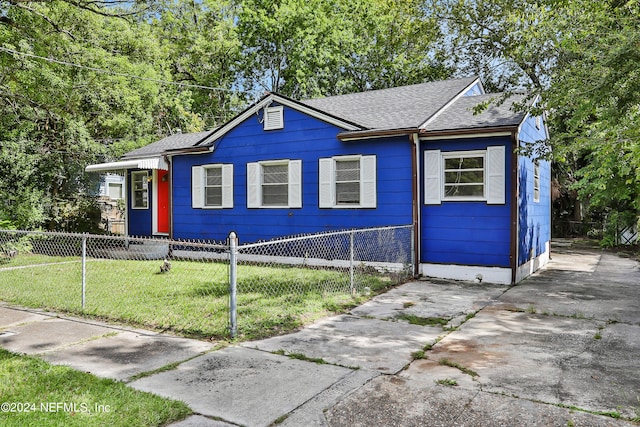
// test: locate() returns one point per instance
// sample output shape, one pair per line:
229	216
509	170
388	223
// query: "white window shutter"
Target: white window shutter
368	191
327	185
432	177
495	167
295	183
227	186
197	180
253	185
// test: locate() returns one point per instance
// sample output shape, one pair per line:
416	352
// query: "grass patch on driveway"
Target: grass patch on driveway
192	299
35	393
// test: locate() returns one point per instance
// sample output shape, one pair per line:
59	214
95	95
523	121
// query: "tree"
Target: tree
62	108
582	58
309	48
595	100
203	49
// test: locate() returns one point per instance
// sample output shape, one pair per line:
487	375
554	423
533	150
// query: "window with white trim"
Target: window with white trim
464	176
348	181
274	184
536	181
477	175
212	186
140	190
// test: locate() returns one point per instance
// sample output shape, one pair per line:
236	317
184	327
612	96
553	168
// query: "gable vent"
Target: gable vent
273	118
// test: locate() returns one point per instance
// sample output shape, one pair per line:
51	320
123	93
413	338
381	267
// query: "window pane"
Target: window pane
115	191
140	199
475	190
348	193
275	195
464	177
140	186
213	196
214	176
348	182
275	174
275	185
464	163
348	170
139	181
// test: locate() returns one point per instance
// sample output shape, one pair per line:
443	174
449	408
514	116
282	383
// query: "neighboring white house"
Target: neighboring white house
111	197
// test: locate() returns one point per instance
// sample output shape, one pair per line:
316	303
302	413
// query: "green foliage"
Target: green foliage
582	58
308	48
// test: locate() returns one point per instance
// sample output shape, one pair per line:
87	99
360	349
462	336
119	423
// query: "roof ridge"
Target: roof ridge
396	88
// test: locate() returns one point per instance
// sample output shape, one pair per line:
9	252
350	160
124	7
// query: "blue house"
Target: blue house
408	155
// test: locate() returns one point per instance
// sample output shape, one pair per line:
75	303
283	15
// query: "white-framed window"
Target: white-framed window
536	181
273	118
140	190
114	190
348	182
463	176
274	184
476	175
212	186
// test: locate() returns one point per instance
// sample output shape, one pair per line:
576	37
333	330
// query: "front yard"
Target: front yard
192	299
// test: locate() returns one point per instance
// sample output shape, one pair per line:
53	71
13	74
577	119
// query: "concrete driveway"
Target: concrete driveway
560	349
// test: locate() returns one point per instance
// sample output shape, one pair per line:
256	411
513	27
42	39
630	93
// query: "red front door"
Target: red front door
162	193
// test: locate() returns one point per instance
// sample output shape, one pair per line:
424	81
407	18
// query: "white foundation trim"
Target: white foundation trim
534	264
467	272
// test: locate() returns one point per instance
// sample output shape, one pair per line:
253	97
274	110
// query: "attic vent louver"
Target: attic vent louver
273	118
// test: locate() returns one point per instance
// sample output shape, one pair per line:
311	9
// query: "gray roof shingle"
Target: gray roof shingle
460	114
395	108
171	142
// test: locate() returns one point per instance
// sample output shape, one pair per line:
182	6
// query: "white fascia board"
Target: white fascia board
283	101
448	104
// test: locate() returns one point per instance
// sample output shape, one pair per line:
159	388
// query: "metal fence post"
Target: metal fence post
233	271
84	268
351	284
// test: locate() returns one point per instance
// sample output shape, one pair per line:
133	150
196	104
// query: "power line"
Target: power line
114	73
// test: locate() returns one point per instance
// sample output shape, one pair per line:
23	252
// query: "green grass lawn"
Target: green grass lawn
192	299
35	393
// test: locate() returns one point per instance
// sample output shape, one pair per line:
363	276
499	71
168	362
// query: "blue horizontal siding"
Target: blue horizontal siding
467	233
140	220
534	218
303	138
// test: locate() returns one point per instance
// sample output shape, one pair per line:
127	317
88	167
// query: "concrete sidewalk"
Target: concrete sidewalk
554	350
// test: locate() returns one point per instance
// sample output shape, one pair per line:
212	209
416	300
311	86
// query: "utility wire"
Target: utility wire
114	73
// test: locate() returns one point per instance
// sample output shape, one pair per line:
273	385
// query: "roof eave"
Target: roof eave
468	132
374	133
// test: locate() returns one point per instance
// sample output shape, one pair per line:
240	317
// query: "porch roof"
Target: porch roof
142	163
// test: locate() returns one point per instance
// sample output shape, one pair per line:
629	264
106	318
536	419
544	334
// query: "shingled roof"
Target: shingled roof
460	115
441	105
395	108
172	142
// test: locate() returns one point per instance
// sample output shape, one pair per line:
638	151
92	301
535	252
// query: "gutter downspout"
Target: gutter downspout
415	142
515	223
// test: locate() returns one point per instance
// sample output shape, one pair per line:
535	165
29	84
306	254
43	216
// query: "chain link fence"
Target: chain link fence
202	289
